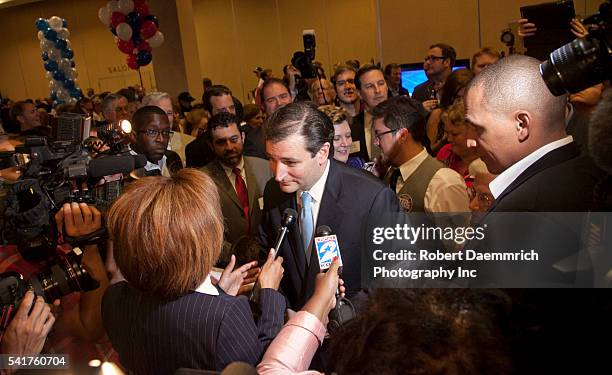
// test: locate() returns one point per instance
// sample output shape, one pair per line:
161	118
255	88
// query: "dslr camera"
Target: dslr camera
583	62
303	60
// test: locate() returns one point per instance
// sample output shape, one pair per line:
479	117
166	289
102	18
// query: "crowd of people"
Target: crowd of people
193	234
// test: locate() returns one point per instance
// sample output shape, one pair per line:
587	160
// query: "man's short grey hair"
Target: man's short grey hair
107	103
155	97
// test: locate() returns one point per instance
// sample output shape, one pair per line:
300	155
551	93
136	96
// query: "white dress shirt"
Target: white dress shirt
446	191
508	176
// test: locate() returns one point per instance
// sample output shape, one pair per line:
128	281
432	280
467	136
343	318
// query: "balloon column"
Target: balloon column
135	29
58	60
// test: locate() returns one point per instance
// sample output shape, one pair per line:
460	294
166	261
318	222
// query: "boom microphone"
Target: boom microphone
110	165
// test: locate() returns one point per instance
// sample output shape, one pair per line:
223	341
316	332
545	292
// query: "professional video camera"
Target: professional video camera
302	60
60	169
583	62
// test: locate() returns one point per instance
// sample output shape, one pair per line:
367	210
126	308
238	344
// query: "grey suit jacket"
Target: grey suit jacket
257	174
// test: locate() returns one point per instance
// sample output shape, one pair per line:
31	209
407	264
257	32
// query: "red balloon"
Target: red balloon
117	18
139	2
142	8
148	29
144	46
132	61
125	46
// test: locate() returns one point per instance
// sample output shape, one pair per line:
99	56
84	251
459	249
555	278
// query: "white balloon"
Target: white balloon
53	86
63	33
104	15
64	64
156	40
113	6
71	73
125	6
56	23
41	35
68	44
72	101
49	76
55	54
46	45
124	31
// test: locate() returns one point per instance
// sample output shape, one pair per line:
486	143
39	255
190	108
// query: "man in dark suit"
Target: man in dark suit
240	181
520	135
372	89
299	141
150	136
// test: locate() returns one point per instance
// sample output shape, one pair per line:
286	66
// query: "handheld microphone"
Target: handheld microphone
328	250
287	220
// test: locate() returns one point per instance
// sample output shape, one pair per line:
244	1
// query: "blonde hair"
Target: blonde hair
336	114
193	119
167	232
455	114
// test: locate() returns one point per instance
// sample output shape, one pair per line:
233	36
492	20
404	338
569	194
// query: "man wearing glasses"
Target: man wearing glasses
438	64
150	135
422	183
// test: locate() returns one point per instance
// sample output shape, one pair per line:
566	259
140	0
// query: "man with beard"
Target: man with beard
150	135
240	181
438	64
421	183
346	92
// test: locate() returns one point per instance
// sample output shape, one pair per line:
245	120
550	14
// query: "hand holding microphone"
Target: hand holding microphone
324	298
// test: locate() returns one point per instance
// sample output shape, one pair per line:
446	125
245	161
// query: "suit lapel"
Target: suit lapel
224	182
293	236
549	160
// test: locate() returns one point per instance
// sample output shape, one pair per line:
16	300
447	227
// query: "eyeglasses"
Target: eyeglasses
484	199
379	135
154	133
433	58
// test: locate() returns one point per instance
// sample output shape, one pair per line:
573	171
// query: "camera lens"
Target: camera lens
575	66
62	279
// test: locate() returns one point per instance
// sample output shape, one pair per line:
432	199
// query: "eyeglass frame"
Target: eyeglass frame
377	136
432	58
154	133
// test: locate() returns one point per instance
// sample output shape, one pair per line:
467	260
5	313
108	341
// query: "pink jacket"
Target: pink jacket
293	348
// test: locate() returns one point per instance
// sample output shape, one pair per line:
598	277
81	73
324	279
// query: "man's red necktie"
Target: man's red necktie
243	197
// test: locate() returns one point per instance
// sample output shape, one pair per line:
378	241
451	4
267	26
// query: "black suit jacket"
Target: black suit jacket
197	331
351	197
422	92
358	134
560	182
199	153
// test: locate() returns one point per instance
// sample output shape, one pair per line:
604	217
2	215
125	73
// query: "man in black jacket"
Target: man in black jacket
299	141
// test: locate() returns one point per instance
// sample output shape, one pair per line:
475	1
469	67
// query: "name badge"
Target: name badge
261	203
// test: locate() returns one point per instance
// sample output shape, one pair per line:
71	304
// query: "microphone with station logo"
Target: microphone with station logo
328	250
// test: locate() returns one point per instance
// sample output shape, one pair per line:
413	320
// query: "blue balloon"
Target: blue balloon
153	18
64	23
144	58
61	44
42	24
59	75
51	65
133	19
45	56
53	95
67	53
136	38
76	93
51	34
69	84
